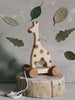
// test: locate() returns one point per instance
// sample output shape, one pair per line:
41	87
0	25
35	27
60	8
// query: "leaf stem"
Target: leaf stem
1	16
61	51
42	3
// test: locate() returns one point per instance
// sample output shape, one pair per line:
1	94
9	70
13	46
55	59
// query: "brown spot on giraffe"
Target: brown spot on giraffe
50	61
35	62
38	39
47	53
35	46
41	51
42	58
35	55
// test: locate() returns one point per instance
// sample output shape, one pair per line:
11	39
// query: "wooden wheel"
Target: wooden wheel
25	67
33	73
30	72
54	71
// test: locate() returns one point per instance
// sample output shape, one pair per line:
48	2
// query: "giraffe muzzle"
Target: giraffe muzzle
29	31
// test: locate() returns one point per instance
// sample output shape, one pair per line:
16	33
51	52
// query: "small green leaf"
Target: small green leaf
62	35
69	55
41	62
10	21
16	42
35	12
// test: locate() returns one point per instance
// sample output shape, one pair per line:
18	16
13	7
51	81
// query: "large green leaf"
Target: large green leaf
62	35
35	12
10	21
16	42
69	55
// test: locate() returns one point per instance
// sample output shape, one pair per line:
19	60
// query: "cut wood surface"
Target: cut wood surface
45	86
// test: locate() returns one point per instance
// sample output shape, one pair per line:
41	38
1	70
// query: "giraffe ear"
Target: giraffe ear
37	22
33	23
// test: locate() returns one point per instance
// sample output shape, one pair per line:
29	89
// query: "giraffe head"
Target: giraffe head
34	28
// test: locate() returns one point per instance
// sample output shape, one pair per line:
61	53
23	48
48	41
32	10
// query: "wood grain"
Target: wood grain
45	86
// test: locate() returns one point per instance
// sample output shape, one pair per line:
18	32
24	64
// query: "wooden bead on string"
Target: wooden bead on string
6	95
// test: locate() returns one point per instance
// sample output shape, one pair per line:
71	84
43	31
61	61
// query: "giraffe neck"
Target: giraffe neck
36	39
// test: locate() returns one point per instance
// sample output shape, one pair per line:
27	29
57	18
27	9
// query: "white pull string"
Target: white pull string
16	95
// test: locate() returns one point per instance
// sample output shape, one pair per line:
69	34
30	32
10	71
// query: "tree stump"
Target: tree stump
45	86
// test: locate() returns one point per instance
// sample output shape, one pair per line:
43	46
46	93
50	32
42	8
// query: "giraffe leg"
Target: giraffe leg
33	63
49	64
33	71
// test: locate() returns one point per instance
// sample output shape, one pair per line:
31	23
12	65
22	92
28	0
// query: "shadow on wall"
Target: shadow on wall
8	67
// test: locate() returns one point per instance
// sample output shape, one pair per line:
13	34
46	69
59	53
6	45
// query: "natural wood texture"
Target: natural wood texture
33	73
55	71
38	52
42	70
42	85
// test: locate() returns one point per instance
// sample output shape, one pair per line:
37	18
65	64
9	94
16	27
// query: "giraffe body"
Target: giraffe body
39	52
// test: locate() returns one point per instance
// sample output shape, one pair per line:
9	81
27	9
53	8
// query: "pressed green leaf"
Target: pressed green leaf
62	35
60	15
69	55
35	12
16	42
10	21
42	62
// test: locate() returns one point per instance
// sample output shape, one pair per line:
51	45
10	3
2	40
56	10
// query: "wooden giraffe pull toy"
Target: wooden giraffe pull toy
38	53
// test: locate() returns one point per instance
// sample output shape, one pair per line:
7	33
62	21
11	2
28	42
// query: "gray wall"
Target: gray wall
13	57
